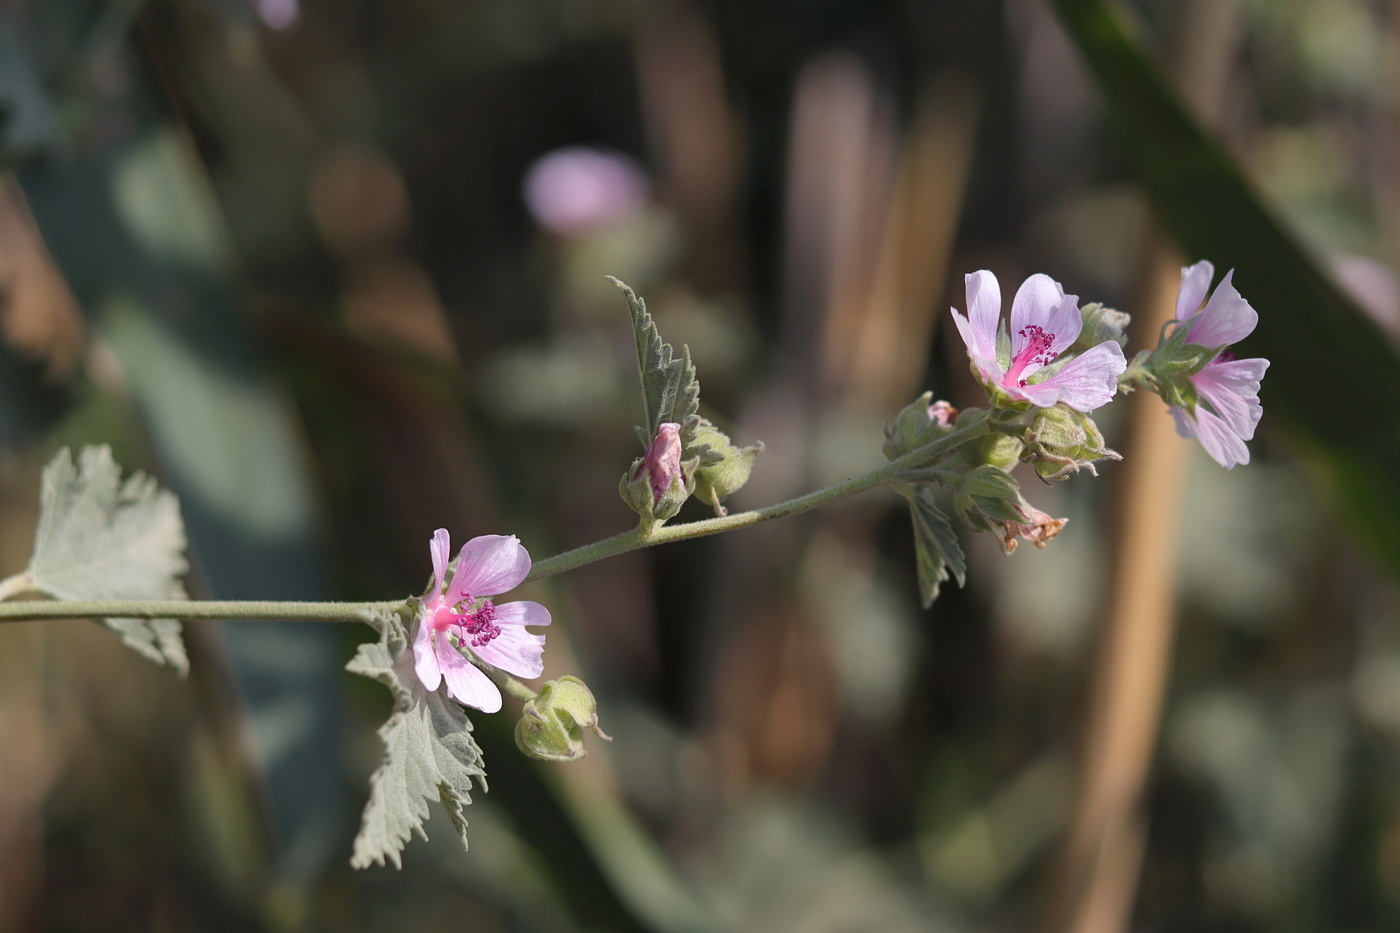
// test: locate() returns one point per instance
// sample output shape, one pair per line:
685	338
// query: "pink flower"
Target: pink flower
486	566
662	463
577	190
1044	323
1227	390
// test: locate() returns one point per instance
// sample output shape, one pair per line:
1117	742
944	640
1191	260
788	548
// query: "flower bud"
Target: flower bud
551	725
657	484
722	468
1100	324
1061	440
920	422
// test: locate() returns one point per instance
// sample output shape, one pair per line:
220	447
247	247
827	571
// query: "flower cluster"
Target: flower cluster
1044	372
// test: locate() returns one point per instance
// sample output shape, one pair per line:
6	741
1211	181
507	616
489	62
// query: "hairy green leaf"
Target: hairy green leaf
100	538
670	391
936	547
429	752
1335	381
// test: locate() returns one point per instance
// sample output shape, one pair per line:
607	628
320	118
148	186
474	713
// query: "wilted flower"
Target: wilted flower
463	617
1227	406
1037	528
1045	322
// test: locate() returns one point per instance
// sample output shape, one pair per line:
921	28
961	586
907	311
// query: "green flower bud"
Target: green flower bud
1001	451
920	422
1061	440
657	484
721	468
551	725
1101	324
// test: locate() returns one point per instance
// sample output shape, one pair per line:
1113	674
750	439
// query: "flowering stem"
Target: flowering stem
639	538
631	540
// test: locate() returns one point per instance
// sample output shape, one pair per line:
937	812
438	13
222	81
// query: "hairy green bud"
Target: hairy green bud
1061	441
721	468
551	725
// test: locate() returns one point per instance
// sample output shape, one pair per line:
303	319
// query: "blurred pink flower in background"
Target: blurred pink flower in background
577	190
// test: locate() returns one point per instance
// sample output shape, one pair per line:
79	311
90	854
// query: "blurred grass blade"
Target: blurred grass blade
1334	381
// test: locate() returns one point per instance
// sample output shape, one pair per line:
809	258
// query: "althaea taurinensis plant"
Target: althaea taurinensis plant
114	551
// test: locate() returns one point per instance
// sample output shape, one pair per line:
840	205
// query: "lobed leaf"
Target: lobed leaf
429	752
100	538
670	391
937	552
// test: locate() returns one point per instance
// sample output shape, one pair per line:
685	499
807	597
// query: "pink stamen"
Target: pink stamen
481	625
1036	353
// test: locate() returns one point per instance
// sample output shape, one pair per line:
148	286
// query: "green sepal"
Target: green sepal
1100	324
551	725
987	496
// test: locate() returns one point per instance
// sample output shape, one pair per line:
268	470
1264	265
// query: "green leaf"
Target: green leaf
429	752
1335	381
100	538
670	391
936	547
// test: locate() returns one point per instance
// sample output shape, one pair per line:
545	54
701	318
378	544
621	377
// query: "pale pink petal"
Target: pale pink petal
425	663
522	612
987	365
1036	302
515	651
1227	318
441	548
465	682
1085	383
1065	323
1195	282
488	565
1232	389
1184	427
983	313
1224	446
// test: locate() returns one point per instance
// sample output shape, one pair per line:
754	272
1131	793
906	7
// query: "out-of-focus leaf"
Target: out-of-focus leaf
670	391
936	550
1334	379
429	753
100	538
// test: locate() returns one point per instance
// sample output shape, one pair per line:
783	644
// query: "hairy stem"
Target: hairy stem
638	538
629	540
192	609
